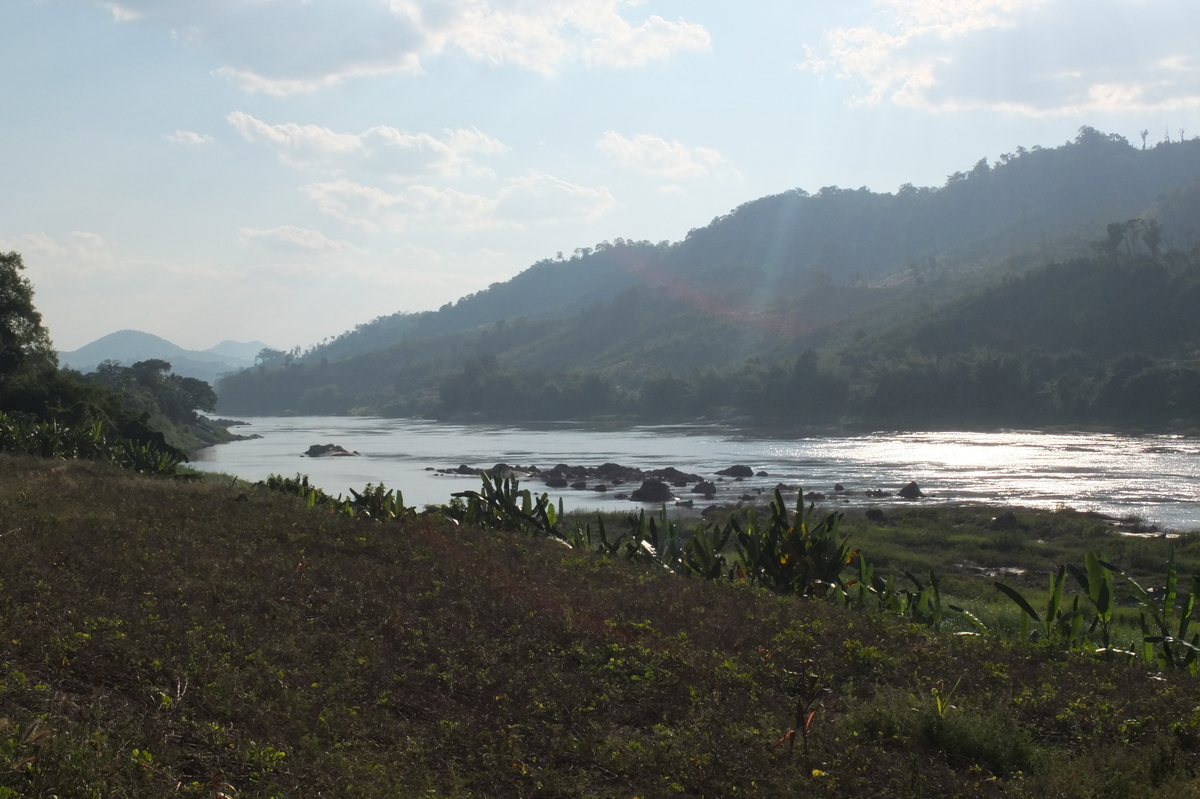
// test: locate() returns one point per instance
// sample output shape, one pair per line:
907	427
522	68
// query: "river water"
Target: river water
1156	478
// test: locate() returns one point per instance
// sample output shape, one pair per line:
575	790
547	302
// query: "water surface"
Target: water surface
1154	477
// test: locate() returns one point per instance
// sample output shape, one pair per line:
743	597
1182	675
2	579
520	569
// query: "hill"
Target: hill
198	639
130	346
772	280
780	246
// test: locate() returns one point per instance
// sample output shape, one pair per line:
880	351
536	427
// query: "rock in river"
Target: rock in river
653	491
328	451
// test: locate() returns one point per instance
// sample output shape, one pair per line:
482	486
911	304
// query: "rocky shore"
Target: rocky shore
726	488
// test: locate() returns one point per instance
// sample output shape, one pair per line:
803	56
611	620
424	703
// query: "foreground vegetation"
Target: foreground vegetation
166	637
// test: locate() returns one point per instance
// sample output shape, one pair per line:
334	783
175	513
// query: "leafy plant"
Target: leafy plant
1057	622
1166	643
1097	585
793	555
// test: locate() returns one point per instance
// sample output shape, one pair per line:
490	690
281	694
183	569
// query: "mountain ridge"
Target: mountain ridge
129	346
765	281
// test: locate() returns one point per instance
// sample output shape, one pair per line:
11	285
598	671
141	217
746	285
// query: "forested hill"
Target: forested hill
774	278
549	288
785	244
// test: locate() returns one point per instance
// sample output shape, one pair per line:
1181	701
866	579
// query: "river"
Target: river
1156	478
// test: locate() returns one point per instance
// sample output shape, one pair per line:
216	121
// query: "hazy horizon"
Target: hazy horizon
284	171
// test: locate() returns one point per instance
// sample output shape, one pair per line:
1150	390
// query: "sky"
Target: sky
283	170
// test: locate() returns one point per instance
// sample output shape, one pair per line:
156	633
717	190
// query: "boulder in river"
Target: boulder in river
328	451
653	491
673	476
911	491
737	471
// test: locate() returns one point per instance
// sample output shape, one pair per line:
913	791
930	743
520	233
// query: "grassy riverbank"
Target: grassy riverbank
199	638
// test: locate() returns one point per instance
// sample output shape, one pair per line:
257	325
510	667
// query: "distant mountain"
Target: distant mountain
130	346
239	350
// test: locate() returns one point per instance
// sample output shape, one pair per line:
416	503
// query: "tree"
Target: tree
1152	236
149	387
25	346
269	358
1116	235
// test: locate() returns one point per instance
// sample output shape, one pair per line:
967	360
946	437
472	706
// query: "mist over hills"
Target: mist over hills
829	271
131	346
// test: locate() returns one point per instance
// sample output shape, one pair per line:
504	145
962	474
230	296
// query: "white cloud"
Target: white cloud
531	200
189	138
542	34
294	239
295	143
285	47
538	199
120	13
883	56
53	260
256	83
657	156
384	148
1027	57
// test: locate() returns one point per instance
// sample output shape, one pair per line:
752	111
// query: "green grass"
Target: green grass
182	638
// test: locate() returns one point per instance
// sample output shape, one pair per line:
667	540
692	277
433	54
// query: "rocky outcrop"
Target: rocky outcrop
328	451
737	471
911	491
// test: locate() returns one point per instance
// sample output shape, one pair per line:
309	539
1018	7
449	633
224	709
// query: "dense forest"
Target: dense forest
1056	286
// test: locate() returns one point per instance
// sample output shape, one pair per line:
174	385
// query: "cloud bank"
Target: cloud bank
1029	57
530	200
381	148
653	155
285	47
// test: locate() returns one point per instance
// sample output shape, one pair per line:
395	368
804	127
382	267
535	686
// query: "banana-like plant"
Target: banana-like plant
793	555
1058	622
375	502
1165	640
1097	585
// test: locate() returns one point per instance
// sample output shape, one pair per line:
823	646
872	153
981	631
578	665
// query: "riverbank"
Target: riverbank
200	638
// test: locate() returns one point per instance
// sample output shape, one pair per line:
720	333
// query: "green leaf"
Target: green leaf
1020	600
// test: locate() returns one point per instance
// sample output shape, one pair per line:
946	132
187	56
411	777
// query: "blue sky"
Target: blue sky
285	169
